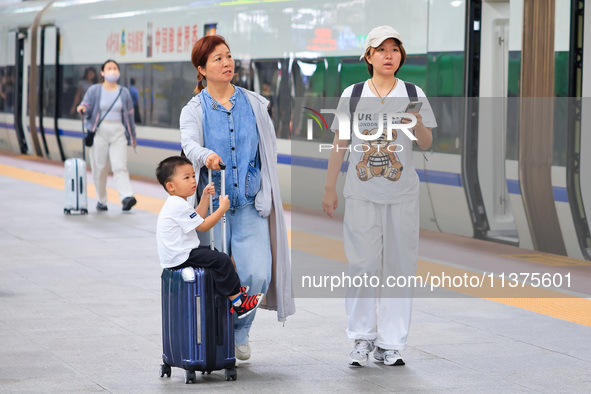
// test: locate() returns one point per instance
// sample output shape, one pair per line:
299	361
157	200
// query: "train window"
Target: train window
49	91
7	89
162	95
414	70
512	139
76	80
351	71
267	81
449	114
242	74
309	77
133	77
561	114
188	84
442	76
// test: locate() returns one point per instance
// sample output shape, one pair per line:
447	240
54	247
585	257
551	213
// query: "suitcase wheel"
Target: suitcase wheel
190	377
165	370
231	374
84	211
66	211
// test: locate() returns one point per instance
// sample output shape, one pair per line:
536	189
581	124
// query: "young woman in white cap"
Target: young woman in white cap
381	223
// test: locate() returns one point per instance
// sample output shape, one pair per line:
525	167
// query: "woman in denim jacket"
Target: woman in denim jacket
228	124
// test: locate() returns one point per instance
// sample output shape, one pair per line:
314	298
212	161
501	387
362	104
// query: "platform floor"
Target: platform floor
80	312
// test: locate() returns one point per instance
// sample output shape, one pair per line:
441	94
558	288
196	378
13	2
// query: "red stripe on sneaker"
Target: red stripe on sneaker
251	302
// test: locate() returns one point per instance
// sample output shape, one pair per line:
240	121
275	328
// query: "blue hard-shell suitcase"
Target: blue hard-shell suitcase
197	326
197	323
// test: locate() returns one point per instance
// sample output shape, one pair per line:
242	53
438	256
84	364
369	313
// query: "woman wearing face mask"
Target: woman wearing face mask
110	119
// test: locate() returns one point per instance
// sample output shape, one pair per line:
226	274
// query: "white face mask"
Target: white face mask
111	76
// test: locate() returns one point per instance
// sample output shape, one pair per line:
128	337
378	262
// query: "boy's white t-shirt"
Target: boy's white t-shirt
175	231
386	175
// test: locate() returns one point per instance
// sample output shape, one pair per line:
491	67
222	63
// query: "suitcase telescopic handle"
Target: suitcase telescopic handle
222	193
83	138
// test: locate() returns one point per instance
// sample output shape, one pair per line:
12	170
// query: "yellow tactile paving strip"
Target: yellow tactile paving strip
543	301
548	259
145	203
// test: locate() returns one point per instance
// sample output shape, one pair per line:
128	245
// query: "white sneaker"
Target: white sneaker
242	351
360	353
388	356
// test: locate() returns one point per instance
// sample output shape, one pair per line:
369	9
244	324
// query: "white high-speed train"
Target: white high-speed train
465	54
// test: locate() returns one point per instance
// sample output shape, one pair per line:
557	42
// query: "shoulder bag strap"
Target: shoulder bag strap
355	96
106	113
411	90
353	101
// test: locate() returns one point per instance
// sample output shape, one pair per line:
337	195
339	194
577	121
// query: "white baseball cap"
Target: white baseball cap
377	35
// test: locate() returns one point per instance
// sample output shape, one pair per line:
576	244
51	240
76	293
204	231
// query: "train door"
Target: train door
49	82
578	179
492	122
8	137
19	81
27	142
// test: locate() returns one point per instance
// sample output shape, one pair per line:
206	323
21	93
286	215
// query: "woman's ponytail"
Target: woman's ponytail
199	86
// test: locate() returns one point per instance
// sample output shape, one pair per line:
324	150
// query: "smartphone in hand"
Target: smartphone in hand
413	106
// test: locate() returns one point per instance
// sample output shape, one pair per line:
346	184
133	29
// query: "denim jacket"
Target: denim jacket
234	137
91	101
268	199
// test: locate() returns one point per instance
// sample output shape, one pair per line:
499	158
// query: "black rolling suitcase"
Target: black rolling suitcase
197	326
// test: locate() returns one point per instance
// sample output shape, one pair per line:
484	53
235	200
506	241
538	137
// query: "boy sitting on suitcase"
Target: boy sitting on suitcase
178	244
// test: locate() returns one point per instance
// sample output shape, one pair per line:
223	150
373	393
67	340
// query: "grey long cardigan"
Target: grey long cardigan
91	101
268	200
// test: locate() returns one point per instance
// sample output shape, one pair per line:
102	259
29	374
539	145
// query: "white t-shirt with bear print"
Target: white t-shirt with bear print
382	171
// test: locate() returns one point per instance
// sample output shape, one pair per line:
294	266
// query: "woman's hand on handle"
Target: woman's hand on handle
81	109
213	161
330	202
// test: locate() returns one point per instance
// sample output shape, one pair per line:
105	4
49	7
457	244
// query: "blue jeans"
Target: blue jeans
247	237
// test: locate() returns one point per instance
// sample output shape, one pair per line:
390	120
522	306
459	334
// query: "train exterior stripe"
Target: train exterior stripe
430	176
560	194
440	177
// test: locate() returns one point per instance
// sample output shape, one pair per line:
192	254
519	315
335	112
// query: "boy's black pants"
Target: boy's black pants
226	279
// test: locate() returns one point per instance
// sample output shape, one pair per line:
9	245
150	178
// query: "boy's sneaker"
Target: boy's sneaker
244	289
101	207
388	356
360	353
248	304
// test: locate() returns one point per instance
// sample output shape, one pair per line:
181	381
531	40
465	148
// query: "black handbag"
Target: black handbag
89	139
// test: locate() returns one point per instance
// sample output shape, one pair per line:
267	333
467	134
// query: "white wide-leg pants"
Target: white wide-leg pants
110	144
380	240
